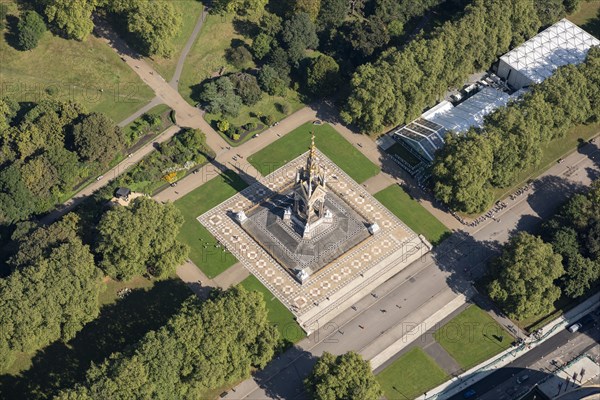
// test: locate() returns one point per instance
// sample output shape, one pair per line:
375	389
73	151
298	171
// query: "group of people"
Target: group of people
500	205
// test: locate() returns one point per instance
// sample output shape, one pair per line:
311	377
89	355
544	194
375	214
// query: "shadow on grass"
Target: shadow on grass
123	323
593	25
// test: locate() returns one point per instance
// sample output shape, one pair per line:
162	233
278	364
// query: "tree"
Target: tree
219	97
203	346
139	239
74	17
97	139
246	86
333	12
347	376
524	277
270	81
52	292
310	7
261	45
239	56
270	24
30	29
298	34
549	11
368	35
461	171
154	24
237	6
581	274
322	76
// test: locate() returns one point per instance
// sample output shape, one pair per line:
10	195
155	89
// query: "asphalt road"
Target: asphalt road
563	346
425	286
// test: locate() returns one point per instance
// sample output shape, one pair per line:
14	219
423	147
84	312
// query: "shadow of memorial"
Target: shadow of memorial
61	365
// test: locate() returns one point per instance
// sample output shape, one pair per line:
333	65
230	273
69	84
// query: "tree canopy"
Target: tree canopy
30	29
38	162
347	377
97	139
204	346
524	277
219	97
140	239
51	293
155	24
73	17
426	67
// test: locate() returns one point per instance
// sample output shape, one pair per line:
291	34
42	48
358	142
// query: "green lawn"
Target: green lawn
122	322
190	11
472	337
327	139
279	315
588	16
207	55
410	376
211	260
556	149
395	199
88	72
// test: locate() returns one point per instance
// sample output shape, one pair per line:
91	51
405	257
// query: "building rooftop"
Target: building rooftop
561	44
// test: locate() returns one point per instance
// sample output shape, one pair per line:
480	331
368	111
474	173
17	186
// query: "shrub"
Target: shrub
268	119
223	125
283	108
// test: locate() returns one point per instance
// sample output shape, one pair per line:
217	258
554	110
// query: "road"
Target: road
537	363
424	287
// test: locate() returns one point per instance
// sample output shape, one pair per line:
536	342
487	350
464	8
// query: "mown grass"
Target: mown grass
327	139
88	72
210	259
473	336
410	375
409	211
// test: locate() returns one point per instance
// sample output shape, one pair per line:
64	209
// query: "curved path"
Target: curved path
174	82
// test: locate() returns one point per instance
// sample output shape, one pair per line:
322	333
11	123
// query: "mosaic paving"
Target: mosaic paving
340	272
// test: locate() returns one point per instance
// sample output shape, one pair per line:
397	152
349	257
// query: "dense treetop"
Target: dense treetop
344	377
51	293
140	239
204	346
45	150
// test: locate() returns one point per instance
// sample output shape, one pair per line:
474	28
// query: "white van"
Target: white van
574	328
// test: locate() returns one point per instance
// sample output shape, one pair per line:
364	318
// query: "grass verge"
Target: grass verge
279	315
327	139
395	199
211	260
411	375
473	336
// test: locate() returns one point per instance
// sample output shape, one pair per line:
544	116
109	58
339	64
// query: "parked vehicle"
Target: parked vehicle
574	328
